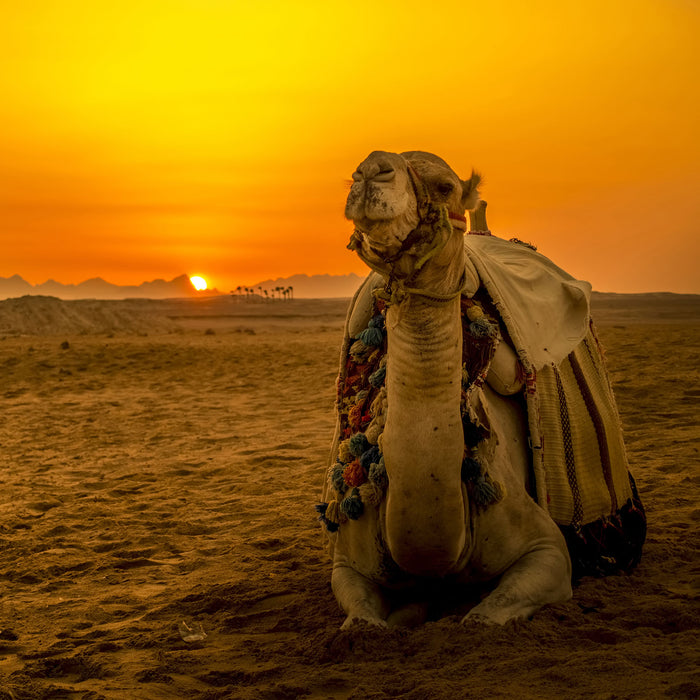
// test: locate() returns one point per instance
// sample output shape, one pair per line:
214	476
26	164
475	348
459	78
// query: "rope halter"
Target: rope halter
435	226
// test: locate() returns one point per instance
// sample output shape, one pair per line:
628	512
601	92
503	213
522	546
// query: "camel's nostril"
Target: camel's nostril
385	174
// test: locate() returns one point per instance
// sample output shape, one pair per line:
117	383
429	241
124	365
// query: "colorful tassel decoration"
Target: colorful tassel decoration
371	336
376	379
336	478
352	506
354	474
358	444
370	457
378	475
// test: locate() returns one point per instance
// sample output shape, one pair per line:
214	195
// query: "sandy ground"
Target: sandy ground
160	465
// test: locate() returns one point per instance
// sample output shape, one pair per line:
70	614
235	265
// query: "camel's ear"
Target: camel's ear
470	192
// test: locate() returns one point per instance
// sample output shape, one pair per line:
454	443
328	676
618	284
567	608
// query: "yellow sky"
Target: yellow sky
145	138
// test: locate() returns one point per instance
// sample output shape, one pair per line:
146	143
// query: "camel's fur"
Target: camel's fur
426	527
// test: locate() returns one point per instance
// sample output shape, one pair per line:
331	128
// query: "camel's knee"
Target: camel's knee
540	577
360	598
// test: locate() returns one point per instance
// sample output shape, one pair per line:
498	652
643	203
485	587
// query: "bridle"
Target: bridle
435	224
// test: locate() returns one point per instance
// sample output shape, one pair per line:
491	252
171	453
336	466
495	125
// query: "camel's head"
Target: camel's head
407	208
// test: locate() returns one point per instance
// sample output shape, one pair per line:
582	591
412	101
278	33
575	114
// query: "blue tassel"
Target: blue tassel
337	478
321	508
358	444
376	379
371	336
483	492
352	506
370	457
377	321
471	469
481	328
378	475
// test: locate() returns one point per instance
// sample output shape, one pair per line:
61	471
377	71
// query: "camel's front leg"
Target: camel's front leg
541	577
360	598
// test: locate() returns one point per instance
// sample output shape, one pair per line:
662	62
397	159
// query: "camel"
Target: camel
431	472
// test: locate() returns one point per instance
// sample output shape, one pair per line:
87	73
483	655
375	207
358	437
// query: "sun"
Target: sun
199	283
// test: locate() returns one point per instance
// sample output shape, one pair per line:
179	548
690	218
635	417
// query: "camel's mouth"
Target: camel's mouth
378	234
375	243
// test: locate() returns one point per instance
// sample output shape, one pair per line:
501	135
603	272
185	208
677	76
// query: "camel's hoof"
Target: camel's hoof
351	621
479	620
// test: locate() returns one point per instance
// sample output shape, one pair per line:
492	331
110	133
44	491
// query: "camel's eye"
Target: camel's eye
445	189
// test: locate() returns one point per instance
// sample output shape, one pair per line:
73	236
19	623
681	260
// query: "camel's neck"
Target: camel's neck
423	440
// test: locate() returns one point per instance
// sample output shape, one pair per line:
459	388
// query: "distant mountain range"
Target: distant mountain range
304	286
97	288
315	286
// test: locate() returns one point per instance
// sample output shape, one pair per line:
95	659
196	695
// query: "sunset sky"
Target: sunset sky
142	139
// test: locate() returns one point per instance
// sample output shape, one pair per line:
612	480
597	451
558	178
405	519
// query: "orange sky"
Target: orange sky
146	138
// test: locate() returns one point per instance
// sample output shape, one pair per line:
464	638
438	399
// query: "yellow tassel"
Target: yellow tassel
344	453
378	406
359	351
374	430
370	494
474	312
334	514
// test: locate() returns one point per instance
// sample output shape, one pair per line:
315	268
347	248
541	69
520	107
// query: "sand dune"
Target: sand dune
160	464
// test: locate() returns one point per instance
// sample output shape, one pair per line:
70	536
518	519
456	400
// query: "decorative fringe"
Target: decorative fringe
608	545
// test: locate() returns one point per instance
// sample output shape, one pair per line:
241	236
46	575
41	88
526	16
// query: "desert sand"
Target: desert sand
160	466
